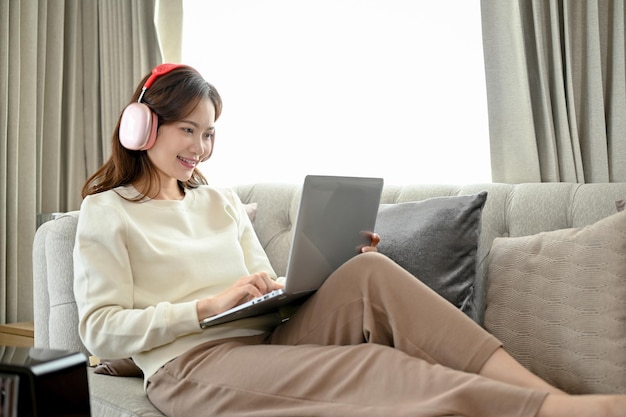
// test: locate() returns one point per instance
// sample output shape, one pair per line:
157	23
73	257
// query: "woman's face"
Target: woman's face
181	145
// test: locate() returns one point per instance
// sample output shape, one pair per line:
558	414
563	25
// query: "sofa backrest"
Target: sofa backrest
510	210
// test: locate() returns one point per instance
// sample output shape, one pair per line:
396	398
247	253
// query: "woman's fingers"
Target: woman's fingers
374	241
260	283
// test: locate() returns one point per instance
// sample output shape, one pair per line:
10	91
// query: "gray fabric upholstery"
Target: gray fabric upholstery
114	396
436	240
510	210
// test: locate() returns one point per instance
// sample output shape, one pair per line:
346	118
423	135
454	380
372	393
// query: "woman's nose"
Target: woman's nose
198	146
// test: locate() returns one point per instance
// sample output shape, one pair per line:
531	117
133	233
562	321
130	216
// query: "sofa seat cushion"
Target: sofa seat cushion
557	301
119	397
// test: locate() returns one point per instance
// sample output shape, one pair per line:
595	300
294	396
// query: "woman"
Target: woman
157	250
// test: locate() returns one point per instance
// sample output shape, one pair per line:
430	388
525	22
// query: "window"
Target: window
390	88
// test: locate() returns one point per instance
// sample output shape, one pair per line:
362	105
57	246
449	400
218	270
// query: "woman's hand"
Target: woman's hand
244	289
374	240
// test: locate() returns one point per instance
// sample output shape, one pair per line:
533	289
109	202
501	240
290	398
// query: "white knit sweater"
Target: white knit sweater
140	268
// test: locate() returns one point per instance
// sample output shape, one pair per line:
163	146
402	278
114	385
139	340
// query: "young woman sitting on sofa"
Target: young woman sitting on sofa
158	250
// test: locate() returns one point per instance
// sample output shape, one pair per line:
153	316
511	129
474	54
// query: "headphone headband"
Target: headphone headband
156	73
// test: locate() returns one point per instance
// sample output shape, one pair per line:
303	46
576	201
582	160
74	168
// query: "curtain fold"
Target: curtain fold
17	178
63	83
555	72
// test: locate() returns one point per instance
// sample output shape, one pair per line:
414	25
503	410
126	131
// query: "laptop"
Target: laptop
334	216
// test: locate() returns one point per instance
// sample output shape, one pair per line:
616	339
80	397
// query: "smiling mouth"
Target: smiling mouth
191	163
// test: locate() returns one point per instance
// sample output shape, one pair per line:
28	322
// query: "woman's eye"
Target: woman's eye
187	130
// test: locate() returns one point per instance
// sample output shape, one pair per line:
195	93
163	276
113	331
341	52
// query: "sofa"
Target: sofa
542	266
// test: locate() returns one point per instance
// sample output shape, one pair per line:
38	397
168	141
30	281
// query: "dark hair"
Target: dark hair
171	97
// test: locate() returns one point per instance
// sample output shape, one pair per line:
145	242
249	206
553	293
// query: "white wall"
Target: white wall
391	88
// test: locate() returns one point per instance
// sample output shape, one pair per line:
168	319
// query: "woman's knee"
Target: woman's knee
370	269
370	260
375	263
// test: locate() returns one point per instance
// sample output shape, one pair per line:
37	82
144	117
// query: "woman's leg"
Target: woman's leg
306	377
241	377
503	367
583	406
398	311
372	299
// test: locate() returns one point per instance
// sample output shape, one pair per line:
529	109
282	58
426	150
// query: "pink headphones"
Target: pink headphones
138	124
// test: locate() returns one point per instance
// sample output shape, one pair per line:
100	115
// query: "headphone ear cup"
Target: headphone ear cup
138	126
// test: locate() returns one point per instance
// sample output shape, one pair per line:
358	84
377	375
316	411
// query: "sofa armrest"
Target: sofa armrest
56	314
41	298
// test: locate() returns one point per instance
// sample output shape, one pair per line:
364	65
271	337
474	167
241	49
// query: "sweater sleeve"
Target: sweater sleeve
254	254
109	324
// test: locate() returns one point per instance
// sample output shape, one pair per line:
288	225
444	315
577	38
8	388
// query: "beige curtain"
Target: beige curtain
556	88
67	68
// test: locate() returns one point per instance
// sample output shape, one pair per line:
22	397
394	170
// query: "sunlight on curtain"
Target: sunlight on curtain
391	88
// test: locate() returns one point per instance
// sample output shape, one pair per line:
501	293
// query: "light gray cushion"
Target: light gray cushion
119	397
63	314
436	240
557	301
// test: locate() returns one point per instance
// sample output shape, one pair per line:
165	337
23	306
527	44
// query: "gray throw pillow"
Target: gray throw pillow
436	240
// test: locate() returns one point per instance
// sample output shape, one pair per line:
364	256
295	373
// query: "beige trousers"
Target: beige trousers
373	341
